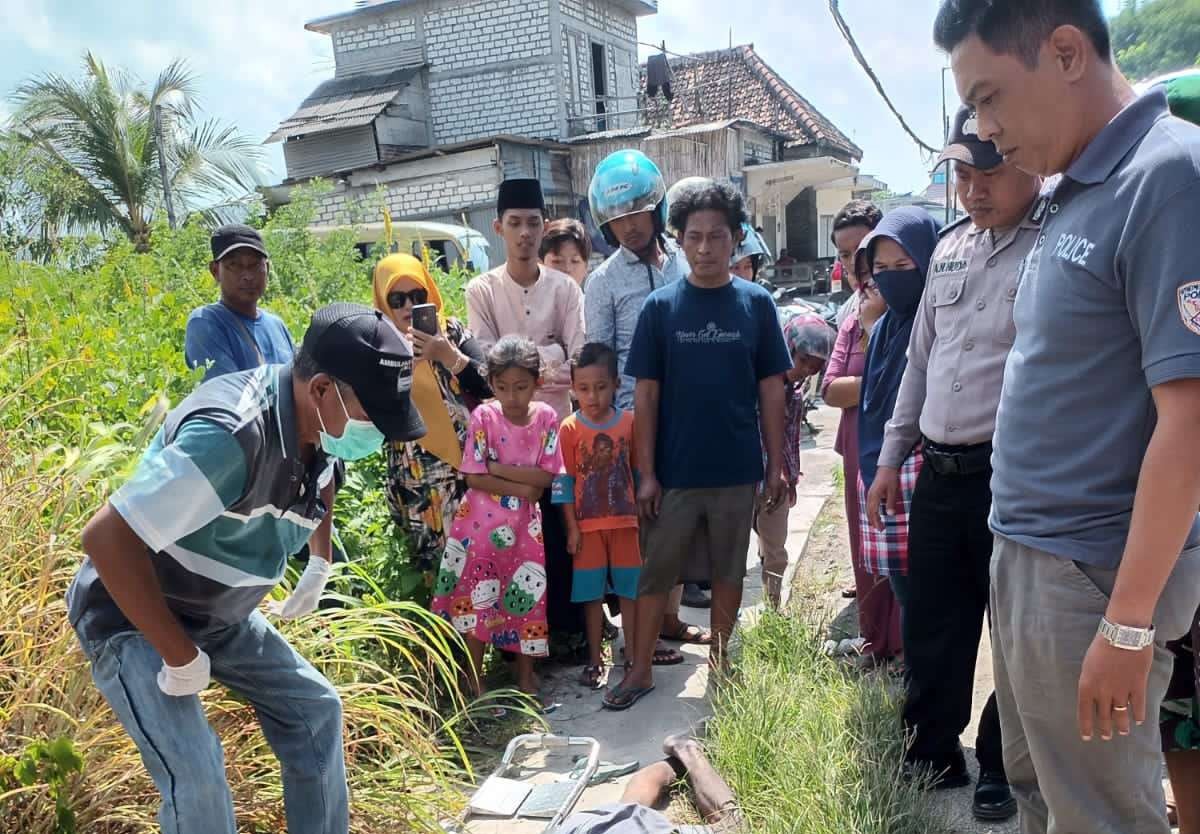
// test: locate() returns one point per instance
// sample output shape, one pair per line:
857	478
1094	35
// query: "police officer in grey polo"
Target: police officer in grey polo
1097	453
947	402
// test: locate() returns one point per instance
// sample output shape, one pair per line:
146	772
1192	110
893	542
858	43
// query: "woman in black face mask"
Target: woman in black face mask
896	254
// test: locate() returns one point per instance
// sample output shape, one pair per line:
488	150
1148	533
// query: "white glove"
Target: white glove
189	679
307	592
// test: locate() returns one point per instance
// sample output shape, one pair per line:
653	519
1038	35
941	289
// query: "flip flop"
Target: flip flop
688	633
663	656
605	771
620	699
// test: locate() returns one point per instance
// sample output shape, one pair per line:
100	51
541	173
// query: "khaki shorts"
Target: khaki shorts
699	535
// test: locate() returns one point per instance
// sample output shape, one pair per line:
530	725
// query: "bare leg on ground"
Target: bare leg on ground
649	785
714	798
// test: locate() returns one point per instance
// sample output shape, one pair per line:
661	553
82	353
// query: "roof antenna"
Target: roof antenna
729	84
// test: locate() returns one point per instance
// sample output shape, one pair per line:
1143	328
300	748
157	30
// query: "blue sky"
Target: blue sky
255	62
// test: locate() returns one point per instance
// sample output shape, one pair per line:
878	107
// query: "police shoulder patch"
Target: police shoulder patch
949	227
1189	305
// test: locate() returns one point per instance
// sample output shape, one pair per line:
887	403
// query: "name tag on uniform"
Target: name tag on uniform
947	267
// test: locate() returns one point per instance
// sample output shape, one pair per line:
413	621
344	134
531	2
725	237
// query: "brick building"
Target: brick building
732	116
434	102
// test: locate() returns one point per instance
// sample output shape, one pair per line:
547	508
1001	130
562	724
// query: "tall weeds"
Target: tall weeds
386	659
808	746
90	357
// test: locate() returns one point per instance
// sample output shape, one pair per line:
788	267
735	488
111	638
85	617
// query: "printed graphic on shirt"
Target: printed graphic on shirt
1189	306
604	470
710	335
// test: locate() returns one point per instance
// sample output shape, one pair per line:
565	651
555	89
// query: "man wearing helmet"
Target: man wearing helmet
628	198
750	255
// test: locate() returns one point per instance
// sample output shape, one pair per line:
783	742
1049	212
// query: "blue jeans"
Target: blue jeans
299	711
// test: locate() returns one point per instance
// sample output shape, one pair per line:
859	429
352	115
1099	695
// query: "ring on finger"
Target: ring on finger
1120	708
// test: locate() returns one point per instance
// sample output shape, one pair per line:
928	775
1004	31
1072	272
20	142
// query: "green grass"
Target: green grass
808	746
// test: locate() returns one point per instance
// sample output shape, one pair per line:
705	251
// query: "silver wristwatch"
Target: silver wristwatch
1126	637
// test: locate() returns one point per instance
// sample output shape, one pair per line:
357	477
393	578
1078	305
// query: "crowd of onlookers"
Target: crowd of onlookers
572	474
1018	394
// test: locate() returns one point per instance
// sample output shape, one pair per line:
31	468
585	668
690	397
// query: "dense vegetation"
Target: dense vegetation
90	360
1155	37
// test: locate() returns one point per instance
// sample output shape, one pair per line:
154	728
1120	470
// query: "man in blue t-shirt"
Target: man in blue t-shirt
709	357
234	334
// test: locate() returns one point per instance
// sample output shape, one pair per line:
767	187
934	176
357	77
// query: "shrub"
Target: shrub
92	356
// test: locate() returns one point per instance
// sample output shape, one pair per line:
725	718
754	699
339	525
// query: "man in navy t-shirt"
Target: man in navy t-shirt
709	357
234	334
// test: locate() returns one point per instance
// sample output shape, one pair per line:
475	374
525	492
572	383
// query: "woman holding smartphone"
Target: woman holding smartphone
424	484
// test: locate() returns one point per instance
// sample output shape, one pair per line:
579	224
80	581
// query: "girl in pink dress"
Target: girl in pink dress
491	585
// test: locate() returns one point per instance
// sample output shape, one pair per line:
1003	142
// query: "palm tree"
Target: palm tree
100	130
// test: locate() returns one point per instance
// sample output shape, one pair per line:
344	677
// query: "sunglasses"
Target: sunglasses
396	300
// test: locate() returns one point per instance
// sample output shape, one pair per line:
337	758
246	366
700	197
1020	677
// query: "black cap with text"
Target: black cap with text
360	347
966	146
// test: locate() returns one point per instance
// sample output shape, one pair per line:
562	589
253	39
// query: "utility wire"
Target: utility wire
844	28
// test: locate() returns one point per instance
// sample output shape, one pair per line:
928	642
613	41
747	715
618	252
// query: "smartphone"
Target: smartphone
425	318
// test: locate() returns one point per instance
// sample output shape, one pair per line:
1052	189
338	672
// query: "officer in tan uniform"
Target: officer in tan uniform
947	402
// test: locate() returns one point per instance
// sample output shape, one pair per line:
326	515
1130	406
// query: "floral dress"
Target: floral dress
492	579
423	490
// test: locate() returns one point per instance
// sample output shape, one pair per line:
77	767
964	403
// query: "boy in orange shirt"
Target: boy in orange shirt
599	498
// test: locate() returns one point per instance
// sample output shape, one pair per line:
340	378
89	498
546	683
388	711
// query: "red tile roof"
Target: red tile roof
738	83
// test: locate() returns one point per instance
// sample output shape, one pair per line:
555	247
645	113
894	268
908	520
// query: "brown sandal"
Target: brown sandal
663	656
592	677
688	633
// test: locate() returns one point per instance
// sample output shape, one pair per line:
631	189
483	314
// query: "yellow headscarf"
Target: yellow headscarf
440	439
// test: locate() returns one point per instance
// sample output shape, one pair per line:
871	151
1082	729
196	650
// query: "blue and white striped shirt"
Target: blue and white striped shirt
221	499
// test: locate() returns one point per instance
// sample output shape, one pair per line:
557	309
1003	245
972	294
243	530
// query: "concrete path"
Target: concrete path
679	702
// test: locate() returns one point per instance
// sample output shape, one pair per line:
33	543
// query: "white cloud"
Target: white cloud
255	62
27	22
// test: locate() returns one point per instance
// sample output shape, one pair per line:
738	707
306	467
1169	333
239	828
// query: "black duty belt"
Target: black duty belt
957	460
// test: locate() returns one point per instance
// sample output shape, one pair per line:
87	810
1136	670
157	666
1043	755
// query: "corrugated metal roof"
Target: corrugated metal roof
344	102
326	22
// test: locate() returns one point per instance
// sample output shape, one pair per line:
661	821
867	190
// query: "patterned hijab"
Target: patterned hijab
806	332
